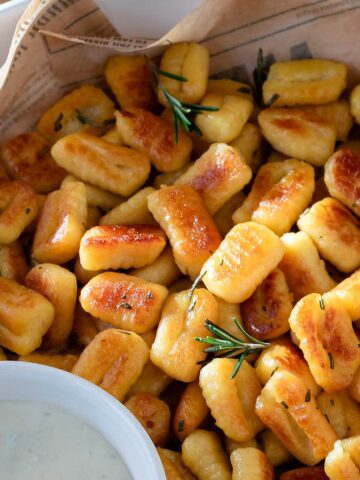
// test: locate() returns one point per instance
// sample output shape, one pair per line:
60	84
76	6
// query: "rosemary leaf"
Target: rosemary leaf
308	396
126	305
86	120
321	303
284	404
246	90
238	365
57	123
173	76
181	425
272	100
331	359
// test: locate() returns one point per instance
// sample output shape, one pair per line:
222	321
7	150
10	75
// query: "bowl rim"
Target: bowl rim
21	373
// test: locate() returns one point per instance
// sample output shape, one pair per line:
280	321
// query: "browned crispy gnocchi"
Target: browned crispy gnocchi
249	144
275	451
286	407
305	82
342	412
27	157
299	133
80	109
281	191
59	286
203	454
154	136
163	270
124	301
61	225
25	317
232	401
153	414
327	339
305	473
84	328
217	175
114	168
13	264
251	464
339	114
190	412
179	59
95	196
335	232
355	103
304	270
342	178
266	313
225	124
18	208
173	465
191	230
121	246
284	355
174	349
130	79
343	462
244	259
133	210
64	361
113	361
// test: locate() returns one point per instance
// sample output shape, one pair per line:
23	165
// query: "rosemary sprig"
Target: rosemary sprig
260	74
183	112
229	345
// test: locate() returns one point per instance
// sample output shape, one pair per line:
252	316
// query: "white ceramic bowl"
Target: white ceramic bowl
31	382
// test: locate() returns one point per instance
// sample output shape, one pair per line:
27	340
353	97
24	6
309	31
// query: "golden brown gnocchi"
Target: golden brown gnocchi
13	264
343	462
251	464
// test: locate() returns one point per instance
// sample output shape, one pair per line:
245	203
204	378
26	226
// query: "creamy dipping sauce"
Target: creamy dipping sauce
39	441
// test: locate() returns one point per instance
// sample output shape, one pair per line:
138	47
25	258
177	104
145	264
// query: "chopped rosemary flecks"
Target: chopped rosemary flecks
284	404
27	210
331	359
86	120
246	90
321	303
327	418
332	402
150	294
181	425
183	113
229	345
57	123
308	396
123	296
272	100
222	262
275	369
197	281
126	305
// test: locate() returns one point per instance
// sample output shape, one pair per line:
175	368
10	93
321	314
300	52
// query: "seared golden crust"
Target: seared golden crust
61	224
153	414
347	294
244	259
284	355
192	233
27	157
174	349
59	286
121	246
25	316
342	412
217	175
113	360
281	191
342	178
343	462
115	168
190	412
130	79
305	272
327	339
173	465
13	264
335	232
305	82
154	136
305	473
67	115
18	208
299	133
286	409
124	301
265	314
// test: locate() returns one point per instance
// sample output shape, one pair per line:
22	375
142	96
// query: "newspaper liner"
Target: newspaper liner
59	44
